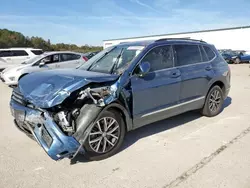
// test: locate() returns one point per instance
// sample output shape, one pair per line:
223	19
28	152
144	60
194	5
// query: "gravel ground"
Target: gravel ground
184	151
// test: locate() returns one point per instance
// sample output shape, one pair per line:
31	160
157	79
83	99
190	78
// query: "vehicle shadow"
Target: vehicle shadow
154	128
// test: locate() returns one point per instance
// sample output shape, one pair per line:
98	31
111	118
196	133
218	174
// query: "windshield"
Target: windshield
33	60
113	59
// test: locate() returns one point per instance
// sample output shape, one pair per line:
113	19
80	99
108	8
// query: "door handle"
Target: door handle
175	74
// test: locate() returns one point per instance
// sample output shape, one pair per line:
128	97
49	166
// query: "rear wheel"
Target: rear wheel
214	102
106	136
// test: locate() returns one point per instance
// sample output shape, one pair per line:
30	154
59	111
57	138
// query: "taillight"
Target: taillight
85	58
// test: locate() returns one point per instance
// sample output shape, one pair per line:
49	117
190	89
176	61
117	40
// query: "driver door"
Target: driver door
156	94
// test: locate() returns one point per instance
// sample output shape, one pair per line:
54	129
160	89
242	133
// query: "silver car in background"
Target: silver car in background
45	61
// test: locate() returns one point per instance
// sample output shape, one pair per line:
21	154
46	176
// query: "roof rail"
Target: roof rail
179	39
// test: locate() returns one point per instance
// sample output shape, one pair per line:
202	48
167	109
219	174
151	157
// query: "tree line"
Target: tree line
10	39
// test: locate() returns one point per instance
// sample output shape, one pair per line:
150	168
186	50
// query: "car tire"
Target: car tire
109	140
214	102
237	60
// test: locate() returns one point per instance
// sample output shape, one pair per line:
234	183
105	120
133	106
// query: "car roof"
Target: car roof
19	48
137	43
61	52
163	41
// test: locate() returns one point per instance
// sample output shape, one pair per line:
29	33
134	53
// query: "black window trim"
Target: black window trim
172	50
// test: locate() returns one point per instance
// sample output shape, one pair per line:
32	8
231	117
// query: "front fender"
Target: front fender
90	113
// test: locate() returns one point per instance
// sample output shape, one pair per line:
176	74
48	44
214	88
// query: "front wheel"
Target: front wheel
214	102
106	136
237	60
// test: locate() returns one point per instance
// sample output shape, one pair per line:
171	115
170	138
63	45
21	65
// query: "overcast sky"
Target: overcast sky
90	22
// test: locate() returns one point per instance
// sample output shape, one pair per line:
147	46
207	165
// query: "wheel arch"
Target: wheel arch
24	74
219	83
91	113
124	113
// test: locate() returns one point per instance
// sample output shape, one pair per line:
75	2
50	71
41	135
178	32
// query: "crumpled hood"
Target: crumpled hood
49	88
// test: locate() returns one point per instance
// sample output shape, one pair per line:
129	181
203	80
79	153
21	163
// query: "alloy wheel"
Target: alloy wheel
214	101
104	135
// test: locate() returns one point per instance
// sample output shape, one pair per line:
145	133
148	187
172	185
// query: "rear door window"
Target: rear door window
19	53
187	54
210	53
37	52
69	57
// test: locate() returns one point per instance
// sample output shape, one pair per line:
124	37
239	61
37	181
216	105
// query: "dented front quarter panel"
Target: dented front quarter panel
52	89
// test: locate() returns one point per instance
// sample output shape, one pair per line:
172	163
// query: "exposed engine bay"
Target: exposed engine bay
66	114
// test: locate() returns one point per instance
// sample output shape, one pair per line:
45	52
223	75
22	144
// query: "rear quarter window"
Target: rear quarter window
37	52
210	53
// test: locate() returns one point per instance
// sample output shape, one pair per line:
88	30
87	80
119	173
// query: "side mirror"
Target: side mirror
42	63
144	68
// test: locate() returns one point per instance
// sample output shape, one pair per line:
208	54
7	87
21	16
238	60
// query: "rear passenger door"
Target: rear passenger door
68	60
196	72
155	94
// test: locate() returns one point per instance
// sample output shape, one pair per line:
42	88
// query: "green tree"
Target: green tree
10	39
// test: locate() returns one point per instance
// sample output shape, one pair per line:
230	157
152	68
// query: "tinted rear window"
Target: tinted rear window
19	53
187	54
37	52
210	53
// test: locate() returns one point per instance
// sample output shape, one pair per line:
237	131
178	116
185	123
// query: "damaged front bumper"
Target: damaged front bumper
46	132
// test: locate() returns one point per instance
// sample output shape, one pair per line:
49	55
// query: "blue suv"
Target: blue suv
88	110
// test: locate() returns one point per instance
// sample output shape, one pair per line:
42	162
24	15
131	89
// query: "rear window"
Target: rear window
210	53
37	52
19	53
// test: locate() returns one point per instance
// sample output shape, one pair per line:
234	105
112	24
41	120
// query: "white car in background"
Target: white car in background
45	61
13	56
